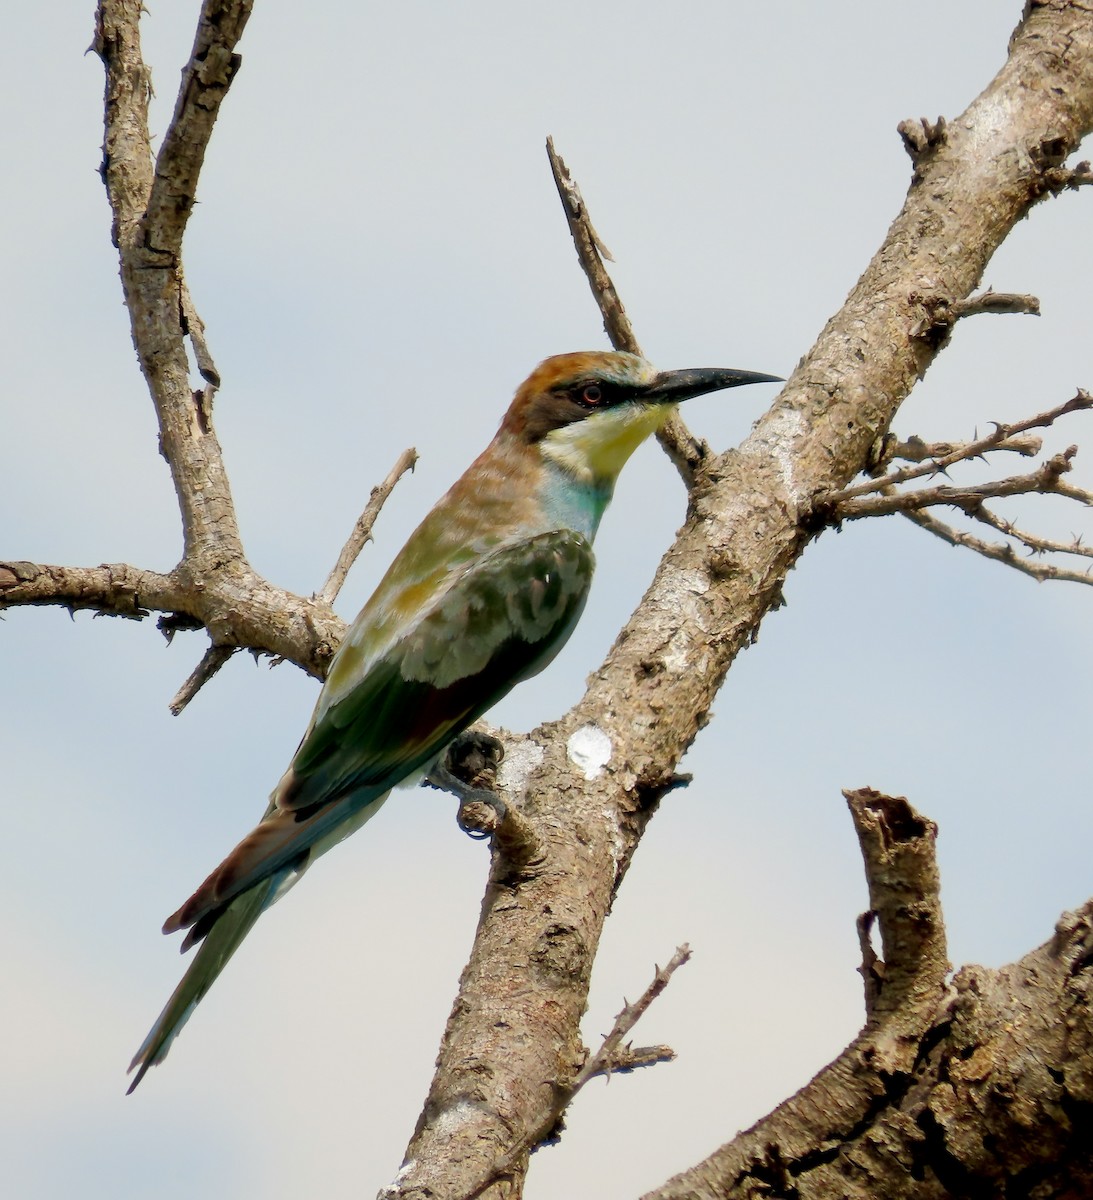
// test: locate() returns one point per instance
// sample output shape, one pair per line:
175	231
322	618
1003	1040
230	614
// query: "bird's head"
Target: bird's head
588	412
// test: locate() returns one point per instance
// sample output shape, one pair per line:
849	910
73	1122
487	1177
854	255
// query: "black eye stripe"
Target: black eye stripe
592	394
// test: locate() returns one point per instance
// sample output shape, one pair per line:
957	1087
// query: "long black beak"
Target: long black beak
671	386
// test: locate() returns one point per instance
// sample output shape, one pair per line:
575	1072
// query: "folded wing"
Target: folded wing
498	623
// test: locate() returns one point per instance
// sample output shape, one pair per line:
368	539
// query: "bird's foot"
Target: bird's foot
475	756
467	770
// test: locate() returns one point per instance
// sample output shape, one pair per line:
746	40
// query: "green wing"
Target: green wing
502	620
499	623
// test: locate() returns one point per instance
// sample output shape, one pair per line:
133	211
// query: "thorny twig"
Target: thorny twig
1043	480
1002	552
881	496
1002	438
611	1048
889	448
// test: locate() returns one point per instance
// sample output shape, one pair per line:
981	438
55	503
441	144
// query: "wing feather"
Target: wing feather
500	622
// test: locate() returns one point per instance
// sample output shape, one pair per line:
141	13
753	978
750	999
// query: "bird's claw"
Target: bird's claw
480	813
471	759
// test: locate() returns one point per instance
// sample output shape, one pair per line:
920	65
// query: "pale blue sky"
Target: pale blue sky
380	258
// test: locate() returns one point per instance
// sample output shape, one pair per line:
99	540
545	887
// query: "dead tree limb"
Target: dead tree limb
747	527
975	1088
886	494
151	198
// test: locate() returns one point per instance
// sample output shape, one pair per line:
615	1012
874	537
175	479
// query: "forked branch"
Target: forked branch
950	1088
613	1057
151	198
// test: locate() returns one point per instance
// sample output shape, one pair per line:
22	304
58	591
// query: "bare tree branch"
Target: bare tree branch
205	82
1043	480
747	526
194	328
213	586
114	589
211	662
1033	542
612	1056
1002	552
1060	179
881	496
908	990
1003	437
611	1051
151	209
630	1058
682	447
362	531
941	313
950	1089
991	301
915	450
591	253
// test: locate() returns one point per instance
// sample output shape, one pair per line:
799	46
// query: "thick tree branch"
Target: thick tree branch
243	610
611	1058
949	1090
908	989
113	589
748	525
151	209
213	586
205	82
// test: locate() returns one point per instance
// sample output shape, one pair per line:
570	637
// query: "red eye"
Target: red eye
591	393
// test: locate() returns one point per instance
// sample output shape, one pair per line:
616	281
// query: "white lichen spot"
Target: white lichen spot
682	584
448	1122
589	750
679	656
681	589
778	443
393	1187
520	760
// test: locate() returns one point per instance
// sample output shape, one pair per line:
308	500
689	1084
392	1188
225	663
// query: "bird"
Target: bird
483	595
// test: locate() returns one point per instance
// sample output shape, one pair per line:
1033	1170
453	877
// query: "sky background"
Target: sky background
380	258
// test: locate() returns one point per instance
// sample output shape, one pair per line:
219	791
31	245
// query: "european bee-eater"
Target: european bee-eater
483	595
